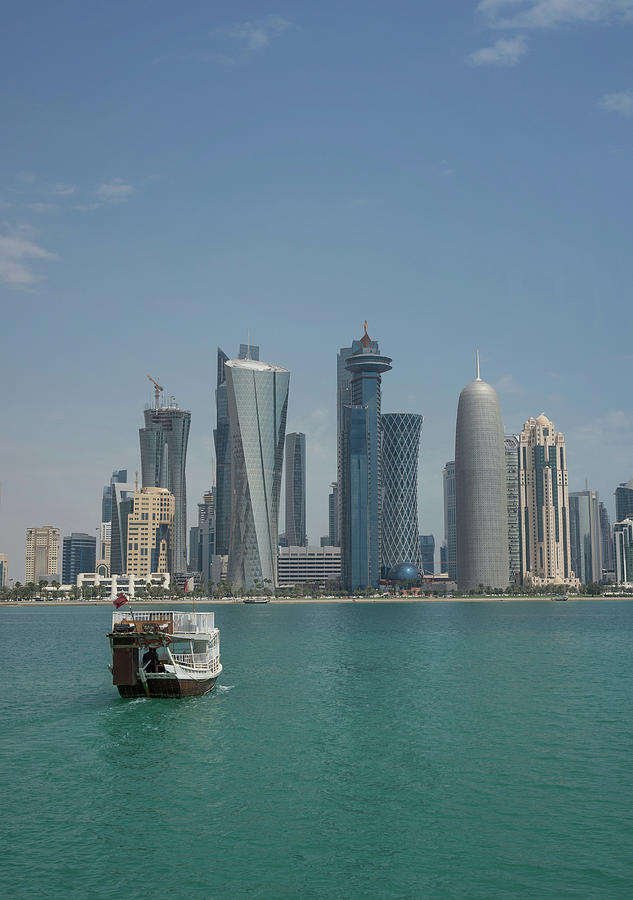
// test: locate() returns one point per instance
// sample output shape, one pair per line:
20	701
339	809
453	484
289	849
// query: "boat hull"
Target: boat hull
168	687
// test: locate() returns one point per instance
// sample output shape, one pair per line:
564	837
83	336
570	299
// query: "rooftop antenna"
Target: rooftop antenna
157	389
478	376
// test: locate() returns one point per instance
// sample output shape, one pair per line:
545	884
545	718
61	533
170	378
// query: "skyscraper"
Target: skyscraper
206	534
4	570
150	532
222	440
119	476
257	396
544	505
427	550
450	521
511	443
606	535
163	460
624	501
400	535
623	540
79	555
296	533
333	539
343	399
122	506
360	485
480	489
42	552
584	535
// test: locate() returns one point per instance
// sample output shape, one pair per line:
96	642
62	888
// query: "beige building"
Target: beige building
544	505
150	532
4	568
42	552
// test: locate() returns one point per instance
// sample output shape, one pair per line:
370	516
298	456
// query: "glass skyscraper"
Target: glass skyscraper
400	535
624	501
163	460
122	506
585	536
480	489
360	486
296	533
119	475
79	555
427	551
623	540
333	539
222	440
606	536
257	396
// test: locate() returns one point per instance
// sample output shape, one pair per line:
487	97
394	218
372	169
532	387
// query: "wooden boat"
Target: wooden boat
163	653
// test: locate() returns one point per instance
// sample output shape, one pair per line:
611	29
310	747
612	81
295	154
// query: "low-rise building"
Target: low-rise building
297	565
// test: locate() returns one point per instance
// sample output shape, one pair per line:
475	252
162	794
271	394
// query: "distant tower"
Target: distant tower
606	536
333	516
511	443
449	557
427	549
42	552
480	485
544	510
163	460
585	535
296	533
360	486
258	402
624	501
400	535
222	439
79	555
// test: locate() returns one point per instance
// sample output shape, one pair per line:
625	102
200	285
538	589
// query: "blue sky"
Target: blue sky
174	175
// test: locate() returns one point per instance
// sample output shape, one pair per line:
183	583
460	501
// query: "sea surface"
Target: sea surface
471	750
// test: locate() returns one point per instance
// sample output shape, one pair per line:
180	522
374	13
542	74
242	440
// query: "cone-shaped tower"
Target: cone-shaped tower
480	489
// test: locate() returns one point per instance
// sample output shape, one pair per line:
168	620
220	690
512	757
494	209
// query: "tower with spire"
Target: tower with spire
480	488
360	490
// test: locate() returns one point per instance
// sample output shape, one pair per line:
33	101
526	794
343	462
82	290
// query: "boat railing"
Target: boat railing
198	662
186	622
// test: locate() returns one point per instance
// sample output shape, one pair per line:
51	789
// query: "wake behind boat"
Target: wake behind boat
161	653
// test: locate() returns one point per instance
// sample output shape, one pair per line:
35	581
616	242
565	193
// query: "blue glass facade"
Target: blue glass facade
361	459
79	555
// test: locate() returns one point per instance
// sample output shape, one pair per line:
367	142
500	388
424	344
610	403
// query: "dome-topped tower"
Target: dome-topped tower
480	489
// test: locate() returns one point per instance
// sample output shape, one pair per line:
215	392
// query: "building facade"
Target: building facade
297	565
119	476
222	441
624	501
400	534
511	443
544	505
585	536
79	555
163	443
206	535
427	553
150	532
343	399
122	505
4	570
42	553
480	489
608	552
296	533
360	485
623	541
258	403
333	518
449	558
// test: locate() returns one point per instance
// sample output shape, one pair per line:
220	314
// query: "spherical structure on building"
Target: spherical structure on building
404	572
480	489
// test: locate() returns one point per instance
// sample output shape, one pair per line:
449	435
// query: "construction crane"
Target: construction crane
157	389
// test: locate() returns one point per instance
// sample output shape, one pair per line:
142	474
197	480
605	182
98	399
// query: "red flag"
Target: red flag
120	600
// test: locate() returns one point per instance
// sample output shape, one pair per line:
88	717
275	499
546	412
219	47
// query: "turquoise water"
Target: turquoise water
479	750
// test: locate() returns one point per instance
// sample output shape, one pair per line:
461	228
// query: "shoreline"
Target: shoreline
40	604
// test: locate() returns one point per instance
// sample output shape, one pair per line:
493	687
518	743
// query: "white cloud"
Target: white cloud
258	34
620	103
63	190
25	177
39	207
507	385
504	52
114	191
15	250
551	13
